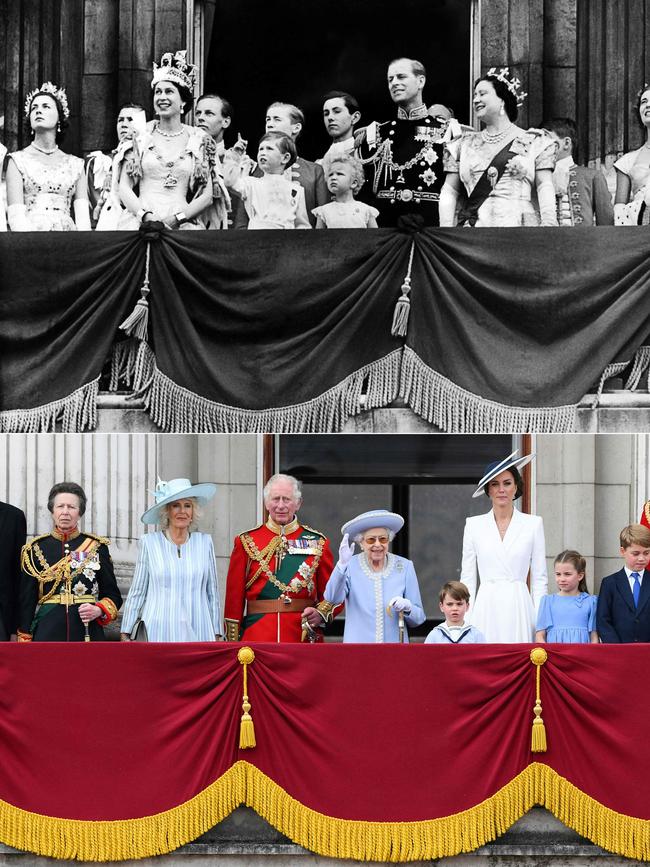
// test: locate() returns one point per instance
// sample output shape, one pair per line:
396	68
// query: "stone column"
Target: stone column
115	470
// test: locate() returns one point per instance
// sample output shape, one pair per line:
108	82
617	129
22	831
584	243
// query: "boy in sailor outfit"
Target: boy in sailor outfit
454	604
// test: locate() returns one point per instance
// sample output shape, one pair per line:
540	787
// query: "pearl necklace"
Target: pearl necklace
169	134
43	151
364	562
495	137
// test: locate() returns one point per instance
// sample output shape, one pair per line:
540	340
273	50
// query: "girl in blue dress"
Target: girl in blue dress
568	616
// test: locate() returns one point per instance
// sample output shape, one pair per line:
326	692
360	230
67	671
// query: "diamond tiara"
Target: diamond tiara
513	84
57	92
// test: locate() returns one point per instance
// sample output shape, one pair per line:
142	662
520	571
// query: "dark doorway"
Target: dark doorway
429	480
295	52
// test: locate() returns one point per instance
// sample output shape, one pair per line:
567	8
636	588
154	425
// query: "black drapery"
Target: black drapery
284	331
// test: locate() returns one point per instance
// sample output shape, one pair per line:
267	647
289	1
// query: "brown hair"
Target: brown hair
579	564
67	488
635	534
456	589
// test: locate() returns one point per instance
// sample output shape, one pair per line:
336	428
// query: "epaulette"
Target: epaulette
535	131
34	540
252	530
646	512
312	530
101	539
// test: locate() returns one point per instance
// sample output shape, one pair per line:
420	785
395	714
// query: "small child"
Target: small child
623	613
581	193
344	175
271	201
568	616
454	604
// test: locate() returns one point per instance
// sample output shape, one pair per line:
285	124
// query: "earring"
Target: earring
502	109
58	127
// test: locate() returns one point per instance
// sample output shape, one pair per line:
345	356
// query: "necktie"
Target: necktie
636	589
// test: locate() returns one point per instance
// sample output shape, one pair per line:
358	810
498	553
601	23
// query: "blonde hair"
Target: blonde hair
635	534
197	514
353	163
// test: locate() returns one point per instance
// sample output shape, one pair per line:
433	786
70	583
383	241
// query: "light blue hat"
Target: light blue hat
177	489
375	518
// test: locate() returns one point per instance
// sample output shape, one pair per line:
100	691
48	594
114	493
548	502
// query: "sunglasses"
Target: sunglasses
383	540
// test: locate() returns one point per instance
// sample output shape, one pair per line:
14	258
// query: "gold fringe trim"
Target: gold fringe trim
325	835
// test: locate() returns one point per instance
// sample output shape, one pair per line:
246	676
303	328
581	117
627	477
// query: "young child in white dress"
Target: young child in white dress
568	616
454	604
344	176
272	201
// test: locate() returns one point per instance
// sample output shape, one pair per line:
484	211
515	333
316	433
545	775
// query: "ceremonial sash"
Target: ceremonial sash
284	573
484	186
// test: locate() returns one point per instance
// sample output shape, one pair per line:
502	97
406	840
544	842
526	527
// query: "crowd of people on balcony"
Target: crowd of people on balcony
284	586
422	162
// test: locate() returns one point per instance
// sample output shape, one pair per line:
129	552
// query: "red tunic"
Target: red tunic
645	515
255	574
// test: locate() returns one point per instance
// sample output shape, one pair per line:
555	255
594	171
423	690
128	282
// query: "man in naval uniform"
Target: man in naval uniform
276	571
68	589
403	157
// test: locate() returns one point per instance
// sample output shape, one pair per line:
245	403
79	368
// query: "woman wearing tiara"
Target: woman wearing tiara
44	184
632	200
171	172
494	174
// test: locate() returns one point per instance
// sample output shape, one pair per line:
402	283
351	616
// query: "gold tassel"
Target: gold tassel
246	727
538	657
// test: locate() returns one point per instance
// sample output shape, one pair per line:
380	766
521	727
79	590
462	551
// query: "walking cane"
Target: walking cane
400	626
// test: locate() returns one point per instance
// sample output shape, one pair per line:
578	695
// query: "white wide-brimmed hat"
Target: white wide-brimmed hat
375	518
492	470
177	489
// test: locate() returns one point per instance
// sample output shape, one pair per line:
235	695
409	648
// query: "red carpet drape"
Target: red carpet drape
384	753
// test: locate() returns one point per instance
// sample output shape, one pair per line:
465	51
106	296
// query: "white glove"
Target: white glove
346	553
447	205
81	210
547	204
18	219
399	603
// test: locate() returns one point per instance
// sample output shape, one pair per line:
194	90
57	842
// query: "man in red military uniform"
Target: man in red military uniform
276	571
645	515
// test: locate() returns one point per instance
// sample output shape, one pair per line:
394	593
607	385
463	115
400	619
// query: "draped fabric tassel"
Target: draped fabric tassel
136	324
246	727
403	306
175	408
538	657
640	365
74	413
610	371
455	410
132	365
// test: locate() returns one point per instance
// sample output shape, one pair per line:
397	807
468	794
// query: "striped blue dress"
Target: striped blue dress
174	590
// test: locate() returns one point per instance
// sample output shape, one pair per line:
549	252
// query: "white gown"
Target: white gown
503	608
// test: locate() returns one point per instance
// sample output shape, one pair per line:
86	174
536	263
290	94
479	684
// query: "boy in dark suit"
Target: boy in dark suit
623	614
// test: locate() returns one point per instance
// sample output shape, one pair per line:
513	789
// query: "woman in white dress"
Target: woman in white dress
171	173
501	548
502	175
174	594
45	186
632	199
